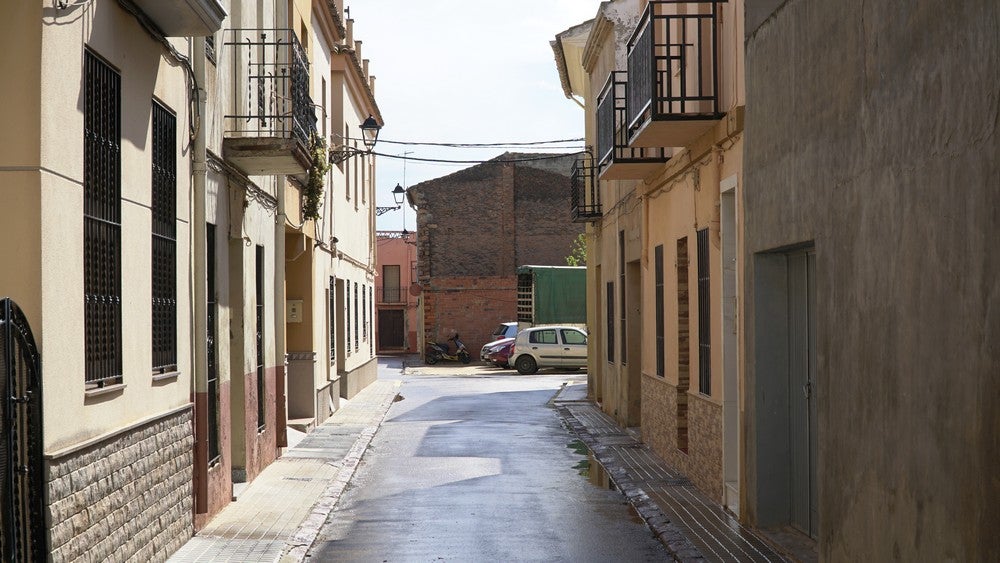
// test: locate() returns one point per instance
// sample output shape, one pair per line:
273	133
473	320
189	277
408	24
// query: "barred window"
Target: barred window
364	314
102	223
661	355
212	390
356	317
621	292
259	277
610	301
347	319
164	240
371	315
332	307
704	317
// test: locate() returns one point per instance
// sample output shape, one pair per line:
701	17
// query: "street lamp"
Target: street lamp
369	132
397	194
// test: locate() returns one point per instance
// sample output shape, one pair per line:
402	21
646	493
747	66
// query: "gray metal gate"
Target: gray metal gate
22	520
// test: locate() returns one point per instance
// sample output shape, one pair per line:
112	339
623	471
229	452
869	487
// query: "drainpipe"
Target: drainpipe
199	281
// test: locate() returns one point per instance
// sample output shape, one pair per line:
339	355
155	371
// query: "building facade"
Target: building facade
474	228
870	288
97	167
658	193
330	245
160	187
395	299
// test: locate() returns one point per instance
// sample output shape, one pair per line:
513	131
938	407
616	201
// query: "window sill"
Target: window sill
118	388
168	376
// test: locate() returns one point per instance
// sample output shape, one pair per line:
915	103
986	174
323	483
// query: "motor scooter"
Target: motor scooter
436	352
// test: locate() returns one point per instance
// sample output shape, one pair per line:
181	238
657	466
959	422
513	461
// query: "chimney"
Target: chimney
371	84
350	32
364	65
357	49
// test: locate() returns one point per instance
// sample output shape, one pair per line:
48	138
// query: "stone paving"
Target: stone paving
279	514
692	526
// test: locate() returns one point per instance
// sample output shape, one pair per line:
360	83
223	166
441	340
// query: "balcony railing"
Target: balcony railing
390	294
616	160
673	79
585	197
273	117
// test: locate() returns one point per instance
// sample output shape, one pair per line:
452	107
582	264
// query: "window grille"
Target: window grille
347	319
364	313
371	315
704	317
611	321
332	310
621	292
212	394
356	317
259	262
164	240
661	359
102	223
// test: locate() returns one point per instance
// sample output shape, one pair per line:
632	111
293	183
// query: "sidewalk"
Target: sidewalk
691	526
279	514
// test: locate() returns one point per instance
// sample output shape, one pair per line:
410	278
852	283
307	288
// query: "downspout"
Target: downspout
281	375
199	283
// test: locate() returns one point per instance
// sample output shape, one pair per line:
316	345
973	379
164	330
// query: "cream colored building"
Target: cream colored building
659	191
96	164
330	257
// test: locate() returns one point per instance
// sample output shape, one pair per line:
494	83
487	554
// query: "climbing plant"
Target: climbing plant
319	165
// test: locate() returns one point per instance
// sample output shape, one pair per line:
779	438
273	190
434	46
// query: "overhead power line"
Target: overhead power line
494	159
470	145
473	145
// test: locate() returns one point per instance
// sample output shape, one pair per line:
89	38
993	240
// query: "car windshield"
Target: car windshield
500	330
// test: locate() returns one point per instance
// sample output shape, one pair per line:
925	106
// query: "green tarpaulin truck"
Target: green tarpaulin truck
548	295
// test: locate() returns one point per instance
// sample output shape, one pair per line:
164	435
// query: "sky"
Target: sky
463	71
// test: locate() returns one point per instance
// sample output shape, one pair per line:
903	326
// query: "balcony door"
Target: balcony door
390	284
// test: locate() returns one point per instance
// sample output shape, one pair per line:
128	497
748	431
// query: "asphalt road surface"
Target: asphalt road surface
475	466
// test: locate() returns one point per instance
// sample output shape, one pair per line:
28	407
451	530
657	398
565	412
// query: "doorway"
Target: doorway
786	401
730	348
390	328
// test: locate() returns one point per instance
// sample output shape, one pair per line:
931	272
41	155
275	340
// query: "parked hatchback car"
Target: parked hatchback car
504	330
549	346
497	352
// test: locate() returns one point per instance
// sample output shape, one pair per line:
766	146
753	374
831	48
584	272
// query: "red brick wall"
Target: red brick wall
472	306
474	228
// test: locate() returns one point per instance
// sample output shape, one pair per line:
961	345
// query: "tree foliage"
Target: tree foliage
578	251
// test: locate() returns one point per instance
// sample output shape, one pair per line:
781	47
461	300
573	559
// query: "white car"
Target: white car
549	347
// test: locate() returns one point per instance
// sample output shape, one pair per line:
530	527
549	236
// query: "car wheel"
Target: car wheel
526	365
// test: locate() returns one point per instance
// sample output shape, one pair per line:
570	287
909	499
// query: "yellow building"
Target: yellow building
662	89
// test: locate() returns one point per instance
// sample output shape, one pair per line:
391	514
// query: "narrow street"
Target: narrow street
472	464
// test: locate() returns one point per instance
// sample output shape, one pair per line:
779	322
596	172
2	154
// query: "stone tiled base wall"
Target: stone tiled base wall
126	498
703	461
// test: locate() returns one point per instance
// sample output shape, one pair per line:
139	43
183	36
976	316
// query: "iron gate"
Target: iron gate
22	521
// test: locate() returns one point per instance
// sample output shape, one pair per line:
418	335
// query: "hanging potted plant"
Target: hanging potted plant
313	193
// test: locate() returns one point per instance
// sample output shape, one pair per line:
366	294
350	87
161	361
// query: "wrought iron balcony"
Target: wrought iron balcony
391	294
673	78
585	197
273	117
616	160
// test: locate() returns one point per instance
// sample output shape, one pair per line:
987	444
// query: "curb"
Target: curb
677	544
307	532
